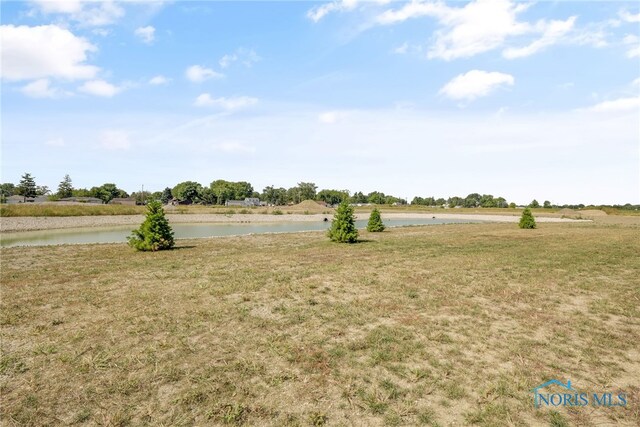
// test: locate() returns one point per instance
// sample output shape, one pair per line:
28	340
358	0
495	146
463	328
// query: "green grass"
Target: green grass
413	326
68	210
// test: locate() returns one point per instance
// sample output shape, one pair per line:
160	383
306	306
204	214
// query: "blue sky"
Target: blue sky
522	100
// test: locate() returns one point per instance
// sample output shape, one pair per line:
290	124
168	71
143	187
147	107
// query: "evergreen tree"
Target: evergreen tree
65	188
155	233
527	220
375	221
27	186
343	227
166	196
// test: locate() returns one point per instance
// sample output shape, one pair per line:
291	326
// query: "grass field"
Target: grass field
307	207
437	325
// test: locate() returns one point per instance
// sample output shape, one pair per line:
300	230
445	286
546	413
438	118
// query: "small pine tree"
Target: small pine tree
343	227
375	221
527	220
155	233
65	188
27	186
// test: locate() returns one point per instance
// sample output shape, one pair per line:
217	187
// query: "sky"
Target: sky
521	100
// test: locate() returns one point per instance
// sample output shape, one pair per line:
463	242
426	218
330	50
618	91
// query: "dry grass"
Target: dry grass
417	326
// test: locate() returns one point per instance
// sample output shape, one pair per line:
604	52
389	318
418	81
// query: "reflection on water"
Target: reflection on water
188	231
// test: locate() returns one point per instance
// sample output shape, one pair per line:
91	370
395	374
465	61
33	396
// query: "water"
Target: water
118	234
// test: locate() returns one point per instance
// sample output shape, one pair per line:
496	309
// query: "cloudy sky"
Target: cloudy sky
522	100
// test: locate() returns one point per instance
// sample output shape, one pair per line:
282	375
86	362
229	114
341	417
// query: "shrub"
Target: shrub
155	233
527	220
343	227
375	221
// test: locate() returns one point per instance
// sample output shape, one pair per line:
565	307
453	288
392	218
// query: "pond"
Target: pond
118	234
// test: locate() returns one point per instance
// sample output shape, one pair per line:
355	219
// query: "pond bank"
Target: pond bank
16	224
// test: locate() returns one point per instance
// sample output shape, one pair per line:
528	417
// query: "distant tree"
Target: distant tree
307	191
333	197
166	196
512	205
156	195
487	201
441	202
358	197
207	196
274	196
534	204
155	233
81	192
527	220
343	227
223	191
417	201
547	204
472	200
142	197
241	190
65	188
187	191
501	202
455	201
6	190
375	223
27	186
107	192
377	198
42	190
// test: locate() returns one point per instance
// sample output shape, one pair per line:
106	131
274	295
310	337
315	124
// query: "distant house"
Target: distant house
13	200
88	200
123	201
247	202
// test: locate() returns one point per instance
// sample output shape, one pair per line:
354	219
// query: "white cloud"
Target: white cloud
318	12
100	88
146	34
636	83
247	57
477	27
402	49
481	26
633	41
629	17
198	74
159	80
331	117
232	103
44	51
40	89
86	13
115	140
61	6
552	32
617	105
475	84
232	147
56	142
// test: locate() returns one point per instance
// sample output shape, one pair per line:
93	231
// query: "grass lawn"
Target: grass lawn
436	325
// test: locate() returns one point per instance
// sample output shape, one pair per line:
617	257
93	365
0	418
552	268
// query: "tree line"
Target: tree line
220	191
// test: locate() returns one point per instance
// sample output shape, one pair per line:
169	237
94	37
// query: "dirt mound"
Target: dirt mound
592	212
587	213
309	206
